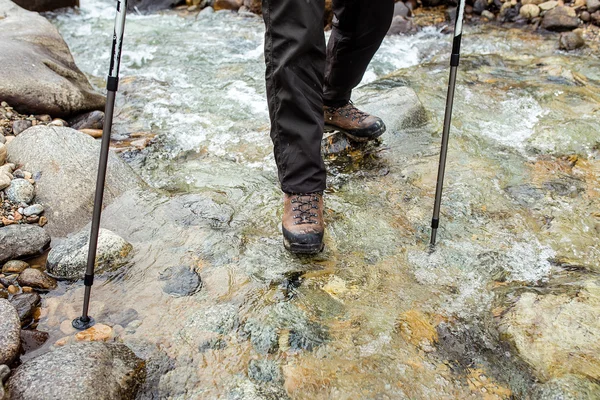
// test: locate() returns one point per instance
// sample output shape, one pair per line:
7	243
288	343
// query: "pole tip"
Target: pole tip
82	323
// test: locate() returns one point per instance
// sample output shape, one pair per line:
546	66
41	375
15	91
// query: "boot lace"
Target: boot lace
349	111
304	204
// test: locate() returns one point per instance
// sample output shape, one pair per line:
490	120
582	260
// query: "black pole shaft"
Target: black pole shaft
454	62
85	321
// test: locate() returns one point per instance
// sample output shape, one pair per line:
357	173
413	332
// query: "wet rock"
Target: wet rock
570	41
401	9
263	337
557	334
20	191
560	19
97	333
68	260
264	371
302	333
67	161
10	326
568	387
14	267
36	279
36	80
526	194
46	5
255	6
400	25
479	6
592	5
222	318
78	371
180	281
20	125
24	303
122	317
91	120
529	11
33	339
22	240
35	209
227	5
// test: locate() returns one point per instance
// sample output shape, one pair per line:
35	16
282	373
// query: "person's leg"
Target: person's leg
295	59
359	27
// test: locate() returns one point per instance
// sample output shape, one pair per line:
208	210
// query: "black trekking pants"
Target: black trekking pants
302	75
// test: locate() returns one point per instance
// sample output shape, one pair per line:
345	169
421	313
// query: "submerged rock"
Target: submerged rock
91	120
36	279
38	71
67	163
22	240
68	260
79	371
570	41
180	281
10	326
24	303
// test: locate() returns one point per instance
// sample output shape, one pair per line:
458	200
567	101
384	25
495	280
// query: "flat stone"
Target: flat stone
180	281
68	260
32	339
91	120
97	333
548	5
20	191
94	370
35	209
14	267
36	279
10	327
20	125
24	303
22	240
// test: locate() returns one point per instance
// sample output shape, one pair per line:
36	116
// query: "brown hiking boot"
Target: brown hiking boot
303	223
356	124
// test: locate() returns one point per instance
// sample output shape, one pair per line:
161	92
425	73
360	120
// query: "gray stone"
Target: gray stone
400	25
39	74
180	281
10	327
20	125
101	371
20	191
91	120
548	5
263	337
568	387
479	6
560	19
264	371
67	163
570	41
35	209
32	339
36	279
14	267
401	9
592	5
68	260
22	240
2	139
24	303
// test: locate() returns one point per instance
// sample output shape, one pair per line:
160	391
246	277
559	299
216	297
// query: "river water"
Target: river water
376	315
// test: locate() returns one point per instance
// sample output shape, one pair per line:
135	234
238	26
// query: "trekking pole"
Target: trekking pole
454	61
85	321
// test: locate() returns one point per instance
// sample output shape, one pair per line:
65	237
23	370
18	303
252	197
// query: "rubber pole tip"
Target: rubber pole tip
83	323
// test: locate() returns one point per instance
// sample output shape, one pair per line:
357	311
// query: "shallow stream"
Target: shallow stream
376	315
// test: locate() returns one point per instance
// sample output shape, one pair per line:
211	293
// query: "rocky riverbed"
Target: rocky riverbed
195	296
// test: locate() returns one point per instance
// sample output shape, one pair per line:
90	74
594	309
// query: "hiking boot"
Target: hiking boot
303	223
356	124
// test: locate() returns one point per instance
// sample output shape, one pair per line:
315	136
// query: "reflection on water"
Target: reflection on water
375	315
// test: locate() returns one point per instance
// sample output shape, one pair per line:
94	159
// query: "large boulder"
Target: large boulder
10	326
65	164
39	75
46	5
22	240
80	371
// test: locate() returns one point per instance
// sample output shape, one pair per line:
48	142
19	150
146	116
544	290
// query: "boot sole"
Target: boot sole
300	248
375	135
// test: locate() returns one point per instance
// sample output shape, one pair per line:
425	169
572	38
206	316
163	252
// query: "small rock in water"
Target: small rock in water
97	333
24	303
263	337
36	279
21	125
10	327
69	259
14	267
33	339
20	190
91	120
35	209
570	41
180	281
400	25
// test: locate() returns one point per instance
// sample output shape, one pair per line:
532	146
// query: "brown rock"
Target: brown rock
254	6
12	289
560	19
33	339
570	41
43	221
97	333
36	279
227	5
14	267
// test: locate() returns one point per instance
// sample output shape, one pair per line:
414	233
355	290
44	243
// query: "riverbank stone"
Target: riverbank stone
14	267
559	19
20	191
90	120
35	209
24	303
570	41
36	279
10	327
95	370
68	260
180	281
65	163
22	240
38	70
